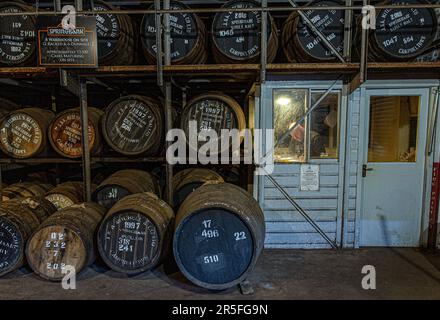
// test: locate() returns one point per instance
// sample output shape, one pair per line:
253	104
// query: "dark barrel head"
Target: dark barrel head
11	246
108	195
237	34
107	28
132	125
406	32
129	242
330	23
184	32
213	248
17	36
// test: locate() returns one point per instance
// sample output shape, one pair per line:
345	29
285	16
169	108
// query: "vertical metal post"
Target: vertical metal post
87	175
159	56
78	5
168	100
263	41
1	182
348	18
364	52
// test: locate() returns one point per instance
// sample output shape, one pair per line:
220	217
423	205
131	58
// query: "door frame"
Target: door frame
428	86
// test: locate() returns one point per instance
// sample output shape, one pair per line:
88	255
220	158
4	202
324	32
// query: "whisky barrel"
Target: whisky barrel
25	190
219	235
212	111
133	125
187	33
188	180
236	36
17	35
65	239
301	44
402	34
66	194
123	183
135	234
117	36
65	133
23	132
18	219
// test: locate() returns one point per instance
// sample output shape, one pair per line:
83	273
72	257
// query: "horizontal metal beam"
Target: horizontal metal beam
219	10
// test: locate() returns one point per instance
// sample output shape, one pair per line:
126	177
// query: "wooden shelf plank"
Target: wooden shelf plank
76	161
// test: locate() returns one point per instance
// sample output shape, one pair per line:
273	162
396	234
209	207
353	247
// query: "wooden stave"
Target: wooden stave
133	180
272	42
197	176
80	219
42	117
25	190
293	51
158	212
24	215
197	55
234	106
94	116
230	198
155	108
30	59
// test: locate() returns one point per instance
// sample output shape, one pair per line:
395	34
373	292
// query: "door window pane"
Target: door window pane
324	129
393	129
289	107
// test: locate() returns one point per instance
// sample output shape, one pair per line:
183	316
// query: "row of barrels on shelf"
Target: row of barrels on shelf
235	35
131	125
216	235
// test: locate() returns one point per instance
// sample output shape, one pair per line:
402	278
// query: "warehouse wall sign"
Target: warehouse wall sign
67	43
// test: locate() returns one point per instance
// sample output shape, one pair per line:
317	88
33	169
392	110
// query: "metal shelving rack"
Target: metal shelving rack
354	73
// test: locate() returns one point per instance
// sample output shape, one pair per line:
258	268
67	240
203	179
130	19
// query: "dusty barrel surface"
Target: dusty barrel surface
65	134
188	180
301	44
116	36
23	132
66	194
219	236
25	190
188	36
65	239
19	218
123	183
212	111
135	234
402	34
133	125
17	35
236	36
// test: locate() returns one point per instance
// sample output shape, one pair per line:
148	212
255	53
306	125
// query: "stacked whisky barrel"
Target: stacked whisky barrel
66	194
25	190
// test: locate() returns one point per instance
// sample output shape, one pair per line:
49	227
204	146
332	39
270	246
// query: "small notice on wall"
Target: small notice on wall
67	48
309	177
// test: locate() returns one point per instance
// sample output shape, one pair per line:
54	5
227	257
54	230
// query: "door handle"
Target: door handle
365	169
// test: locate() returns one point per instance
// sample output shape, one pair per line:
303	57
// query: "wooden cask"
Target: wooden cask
66	194
212	111
19	218
187	33
188	180
402	34
301	44
17	35
65	134
236	36
123	183
219	235
135	234
25	190
65	239
23	132
117	36
134	125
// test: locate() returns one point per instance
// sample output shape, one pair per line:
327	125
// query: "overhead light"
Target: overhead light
283	101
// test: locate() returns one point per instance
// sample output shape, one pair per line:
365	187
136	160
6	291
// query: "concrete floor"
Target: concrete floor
279	274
